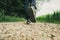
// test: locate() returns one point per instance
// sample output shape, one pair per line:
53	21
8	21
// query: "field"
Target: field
33	31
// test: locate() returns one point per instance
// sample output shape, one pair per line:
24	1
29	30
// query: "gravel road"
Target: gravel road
33	31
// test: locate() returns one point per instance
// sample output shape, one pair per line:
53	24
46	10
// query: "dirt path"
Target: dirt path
37	31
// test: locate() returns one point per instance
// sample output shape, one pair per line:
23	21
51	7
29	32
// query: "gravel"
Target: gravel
33	31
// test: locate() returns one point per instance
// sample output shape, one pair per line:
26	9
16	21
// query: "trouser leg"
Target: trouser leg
26	13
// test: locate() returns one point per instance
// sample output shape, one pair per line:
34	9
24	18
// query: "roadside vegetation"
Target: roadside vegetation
4	18
53	18
11	10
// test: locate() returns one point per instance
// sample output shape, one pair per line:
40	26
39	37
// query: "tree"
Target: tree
11	7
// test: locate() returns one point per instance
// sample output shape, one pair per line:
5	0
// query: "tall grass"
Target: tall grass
54	18
4	18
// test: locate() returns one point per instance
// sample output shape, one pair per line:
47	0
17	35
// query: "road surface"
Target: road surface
33	31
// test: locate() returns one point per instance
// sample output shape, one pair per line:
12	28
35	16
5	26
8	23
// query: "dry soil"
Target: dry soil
33	31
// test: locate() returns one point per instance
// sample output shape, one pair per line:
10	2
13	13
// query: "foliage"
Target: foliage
11	10
10	18
55	18
11	7
13	19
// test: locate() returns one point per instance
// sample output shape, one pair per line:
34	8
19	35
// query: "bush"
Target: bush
55	18
1	17
4	18
13	19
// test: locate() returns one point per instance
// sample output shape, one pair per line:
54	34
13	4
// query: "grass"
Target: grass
4	18
11	19
52	18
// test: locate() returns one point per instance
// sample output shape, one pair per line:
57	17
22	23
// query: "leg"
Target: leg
27	13
32	14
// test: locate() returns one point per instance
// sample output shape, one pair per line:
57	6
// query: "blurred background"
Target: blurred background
47	7
47	11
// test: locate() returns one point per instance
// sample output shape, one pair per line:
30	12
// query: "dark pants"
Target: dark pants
26	4
26	8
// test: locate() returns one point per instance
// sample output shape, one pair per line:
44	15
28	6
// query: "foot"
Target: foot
28	22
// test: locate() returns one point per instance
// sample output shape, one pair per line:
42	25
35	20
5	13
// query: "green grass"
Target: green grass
4	18
52	18
11	19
